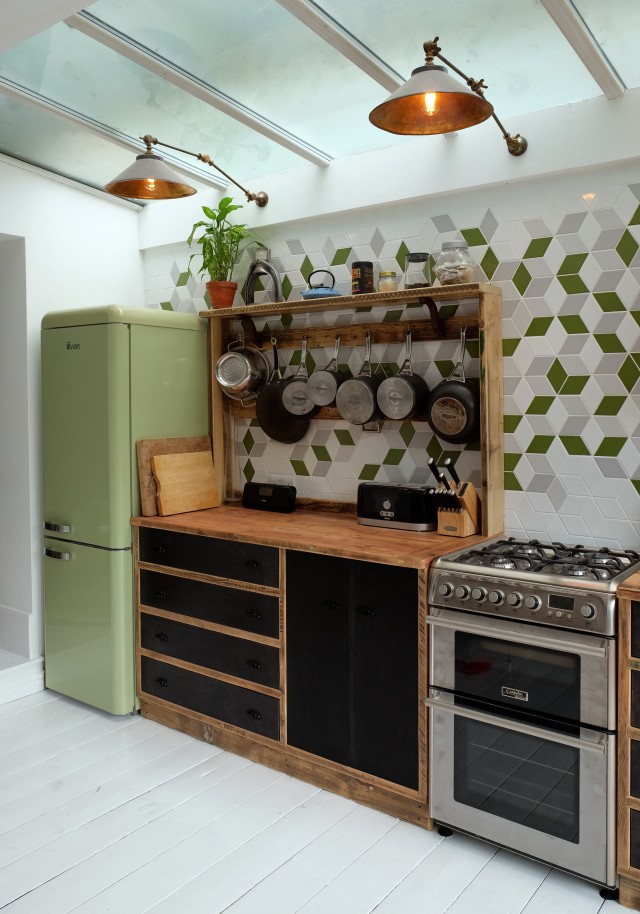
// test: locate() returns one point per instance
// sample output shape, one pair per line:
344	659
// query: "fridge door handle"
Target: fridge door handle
56	528
54	554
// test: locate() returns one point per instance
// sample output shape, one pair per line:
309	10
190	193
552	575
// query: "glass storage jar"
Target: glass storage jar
454	263
388	281
416	270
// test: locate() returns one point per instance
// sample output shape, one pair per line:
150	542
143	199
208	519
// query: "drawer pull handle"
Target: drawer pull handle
255	714
253	614
161	636
254	664
162	682
331	605
160	593
366	611
253	565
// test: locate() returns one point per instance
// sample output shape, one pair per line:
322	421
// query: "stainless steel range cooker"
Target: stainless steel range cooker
523	698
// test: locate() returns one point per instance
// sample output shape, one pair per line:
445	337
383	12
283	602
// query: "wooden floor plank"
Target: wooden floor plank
561	894
506	883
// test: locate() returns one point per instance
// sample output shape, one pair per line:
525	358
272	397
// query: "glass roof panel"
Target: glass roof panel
508	43
616	28
68	67
262	56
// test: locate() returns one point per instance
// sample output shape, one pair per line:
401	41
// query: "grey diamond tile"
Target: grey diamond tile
537	228
444	223
571	223
608	218
611	467
295	246
488	225
377	243
608	240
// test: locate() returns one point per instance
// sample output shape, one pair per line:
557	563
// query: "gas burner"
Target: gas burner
575	571
502	561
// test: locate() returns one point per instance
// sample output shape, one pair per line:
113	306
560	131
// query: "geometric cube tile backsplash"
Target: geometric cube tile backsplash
566	253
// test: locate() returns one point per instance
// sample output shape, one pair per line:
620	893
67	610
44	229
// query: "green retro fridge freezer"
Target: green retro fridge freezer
110	376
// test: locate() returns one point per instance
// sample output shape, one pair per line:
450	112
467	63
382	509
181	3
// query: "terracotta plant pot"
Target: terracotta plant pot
221	293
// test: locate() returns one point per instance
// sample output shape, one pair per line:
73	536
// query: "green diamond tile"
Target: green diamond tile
571	264
434	449
369	472
509	346
167	306
445	367
573	323
574	385
473	237
248	441
557	375
401	253
636	316
608	342
572	284
573	444
489	263
521	279
249	471
392	316
636	485
609	301
540	444
539	406
299	467
539	326
407	432
627	247
306	269
287	287
341	256
511	423
635	219
394	456
610	406
629	373
344	437
253	423
511	461
511	483
286	320
537	247
362	310
183	279
610	447
322	454
446	311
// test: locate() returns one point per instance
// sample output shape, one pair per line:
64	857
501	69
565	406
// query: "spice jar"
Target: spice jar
416	270
388	281
454	263
361	277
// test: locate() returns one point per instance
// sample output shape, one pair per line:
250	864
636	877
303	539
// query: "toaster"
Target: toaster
405	507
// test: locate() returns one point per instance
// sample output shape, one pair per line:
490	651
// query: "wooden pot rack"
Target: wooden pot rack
426	326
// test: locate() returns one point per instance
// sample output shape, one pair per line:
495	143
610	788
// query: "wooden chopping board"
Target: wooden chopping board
147	448
184	482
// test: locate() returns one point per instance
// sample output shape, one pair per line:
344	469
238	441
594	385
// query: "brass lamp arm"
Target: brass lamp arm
260	199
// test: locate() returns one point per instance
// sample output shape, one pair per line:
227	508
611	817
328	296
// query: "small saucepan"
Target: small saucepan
356	398
404	395
273	418
295	390
453	406
324	382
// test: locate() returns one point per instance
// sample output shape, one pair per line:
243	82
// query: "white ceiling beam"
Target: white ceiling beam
575	30
99	31
343	41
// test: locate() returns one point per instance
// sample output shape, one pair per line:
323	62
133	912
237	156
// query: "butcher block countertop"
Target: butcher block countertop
315	531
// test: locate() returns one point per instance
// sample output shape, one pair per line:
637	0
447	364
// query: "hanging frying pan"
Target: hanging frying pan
453	406
324	382
295	391
274	420
403	395
356	398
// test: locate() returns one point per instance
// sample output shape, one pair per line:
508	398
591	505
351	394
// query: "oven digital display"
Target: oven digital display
558	602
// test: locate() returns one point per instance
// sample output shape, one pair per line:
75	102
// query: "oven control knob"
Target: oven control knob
479	594
445	590
462	592
588	611
514	599
533	603
496	597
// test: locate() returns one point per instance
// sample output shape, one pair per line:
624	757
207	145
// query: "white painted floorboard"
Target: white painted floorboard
118	814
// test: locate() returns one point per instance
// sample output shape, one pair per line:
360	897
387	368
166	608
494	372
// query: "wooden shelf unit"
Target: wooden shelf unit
486	327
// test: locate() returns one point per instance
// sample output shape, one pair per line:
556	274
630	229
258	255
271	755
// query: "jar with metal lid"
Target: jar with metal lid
454	263
416	270
388	281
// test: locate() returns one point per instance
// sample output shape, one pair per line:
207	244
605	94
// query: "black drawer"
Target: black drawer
222	558
231	704
234	656
251	612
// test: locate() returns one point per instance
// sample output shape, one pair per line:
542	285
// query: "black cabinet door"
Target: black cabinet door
383	671
317	665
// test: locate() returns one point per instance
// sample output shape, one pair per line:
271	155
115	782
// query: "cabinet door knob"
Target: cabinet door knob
161	636
253	614
254	664
255	714
162	682
159	593
253	565
331	605
365	611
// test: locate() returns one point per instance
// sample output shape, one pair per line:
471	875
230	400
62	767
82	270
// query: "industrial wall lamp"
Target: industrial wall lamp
432	102
150	178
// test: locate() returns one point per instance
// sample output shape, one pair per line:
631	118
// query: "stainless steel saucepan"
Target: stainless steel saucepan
356	398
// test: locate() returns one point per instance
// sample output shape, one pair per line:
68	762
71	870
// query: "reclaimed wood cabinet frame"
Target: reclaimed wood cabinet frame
628	734
486	327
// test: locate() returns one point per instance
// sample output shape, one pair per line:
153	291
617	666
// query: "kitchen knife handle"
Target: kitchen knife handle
56	528
452	470
434	469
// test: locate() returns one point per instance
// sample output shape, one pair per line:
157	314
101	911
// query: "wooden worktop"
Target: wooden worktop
315	531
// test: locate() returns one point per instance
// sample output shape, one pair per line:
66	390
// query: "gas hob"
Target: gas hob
550	583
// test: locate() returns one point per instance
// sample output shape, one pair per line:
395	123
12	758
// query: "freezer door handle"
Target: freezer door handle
54	554
56	528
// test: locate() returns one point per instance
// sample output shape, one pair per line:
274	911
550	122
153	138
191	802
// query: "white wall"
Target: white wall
66	248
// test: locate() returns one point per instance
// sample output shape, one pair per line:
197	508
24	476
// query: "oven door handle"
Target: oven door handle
531	638
438	704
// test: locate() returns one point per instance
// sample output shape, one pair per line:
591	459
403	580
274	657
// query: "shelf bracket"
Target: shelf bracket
434	314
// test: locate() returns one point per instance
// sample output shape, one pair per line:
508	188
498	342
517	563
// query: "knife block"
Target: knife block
466	520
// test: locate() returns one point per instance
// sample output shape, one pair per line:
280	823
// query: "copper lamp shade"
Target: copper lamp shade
149	178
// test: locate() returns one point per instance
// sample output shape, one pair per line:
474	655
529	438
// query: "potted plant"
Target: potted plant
220	248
